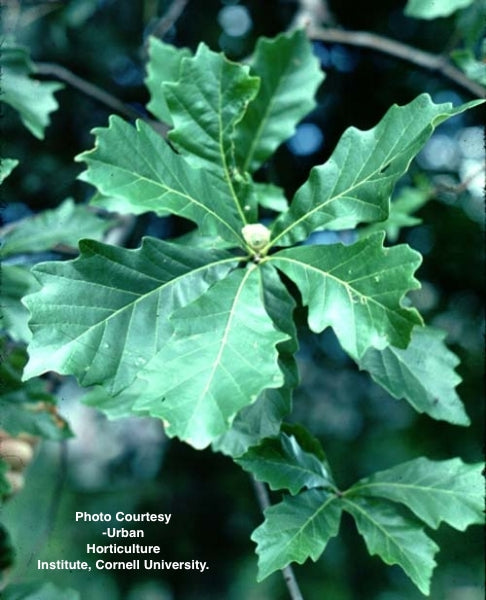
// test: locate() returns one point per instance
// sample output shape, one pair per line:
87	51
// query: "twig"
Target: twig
287	572
167	21
426	60
313	11
89	89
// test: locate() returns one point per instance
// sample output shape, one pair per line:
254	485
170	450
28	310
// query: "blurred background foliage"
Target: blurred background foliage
129	465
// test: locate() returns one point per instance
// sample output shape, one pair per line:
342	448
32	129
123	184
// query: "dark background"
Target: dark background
115	467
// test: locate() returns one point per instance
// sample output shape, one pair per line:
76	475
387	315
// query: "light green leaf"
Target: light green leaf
206	103
221	356
425	9
27	407
296	529
34	100
38	591
103	316
355	184
357	290
164	65
284	464
270	196
66	225
436	491
395	539
290	76
263	418
7	165
473	68
137	166
16	283
423	374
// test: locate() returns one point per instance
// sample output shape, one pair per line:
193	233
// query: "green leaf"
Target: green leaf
283	464
66	225
4	490
34	100
423	374
164	65
206	103
263	418
151	177
290	76
357	290
394	538
436	491
221	356
16	283
424	9
38	591
402	208
473	68
270	196
296	529
7	165
355	184
103	316
27	407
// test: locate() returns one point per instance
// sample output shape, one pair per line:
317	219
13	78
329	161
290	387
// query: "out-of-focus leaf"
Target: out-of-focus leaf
7	165
16	283
66	224
423	374
425	9
38	591
473	68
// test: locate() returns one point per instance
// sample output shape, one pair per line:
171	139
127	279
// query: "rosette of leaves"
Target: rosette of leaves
201	334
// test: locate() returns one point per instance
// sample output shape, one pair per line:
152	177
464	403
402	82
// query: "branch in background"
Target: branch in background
287	572
167	21
426	60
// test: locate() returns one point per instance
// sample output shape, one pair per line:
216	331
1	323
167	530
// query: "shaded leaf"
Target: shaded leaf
357	290
103	316
4	490
296	529
355	184
436	491
473	68
34	100
421	9
16	283
290	76
38	591
221	356
66	224
283	464
423	374
394	538
164	65
151	177
7	165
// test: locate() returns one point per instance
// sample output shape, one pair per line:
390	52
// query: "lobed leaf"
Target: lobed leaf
394	538
436	491
290	76
296	529
164	65
221	356
355	184
423	374
104	315
137	166
356	290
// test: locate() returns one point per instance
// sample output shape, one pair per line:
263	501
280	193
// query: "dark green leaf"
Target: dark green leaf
395	539
38	591
296	529
423	374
